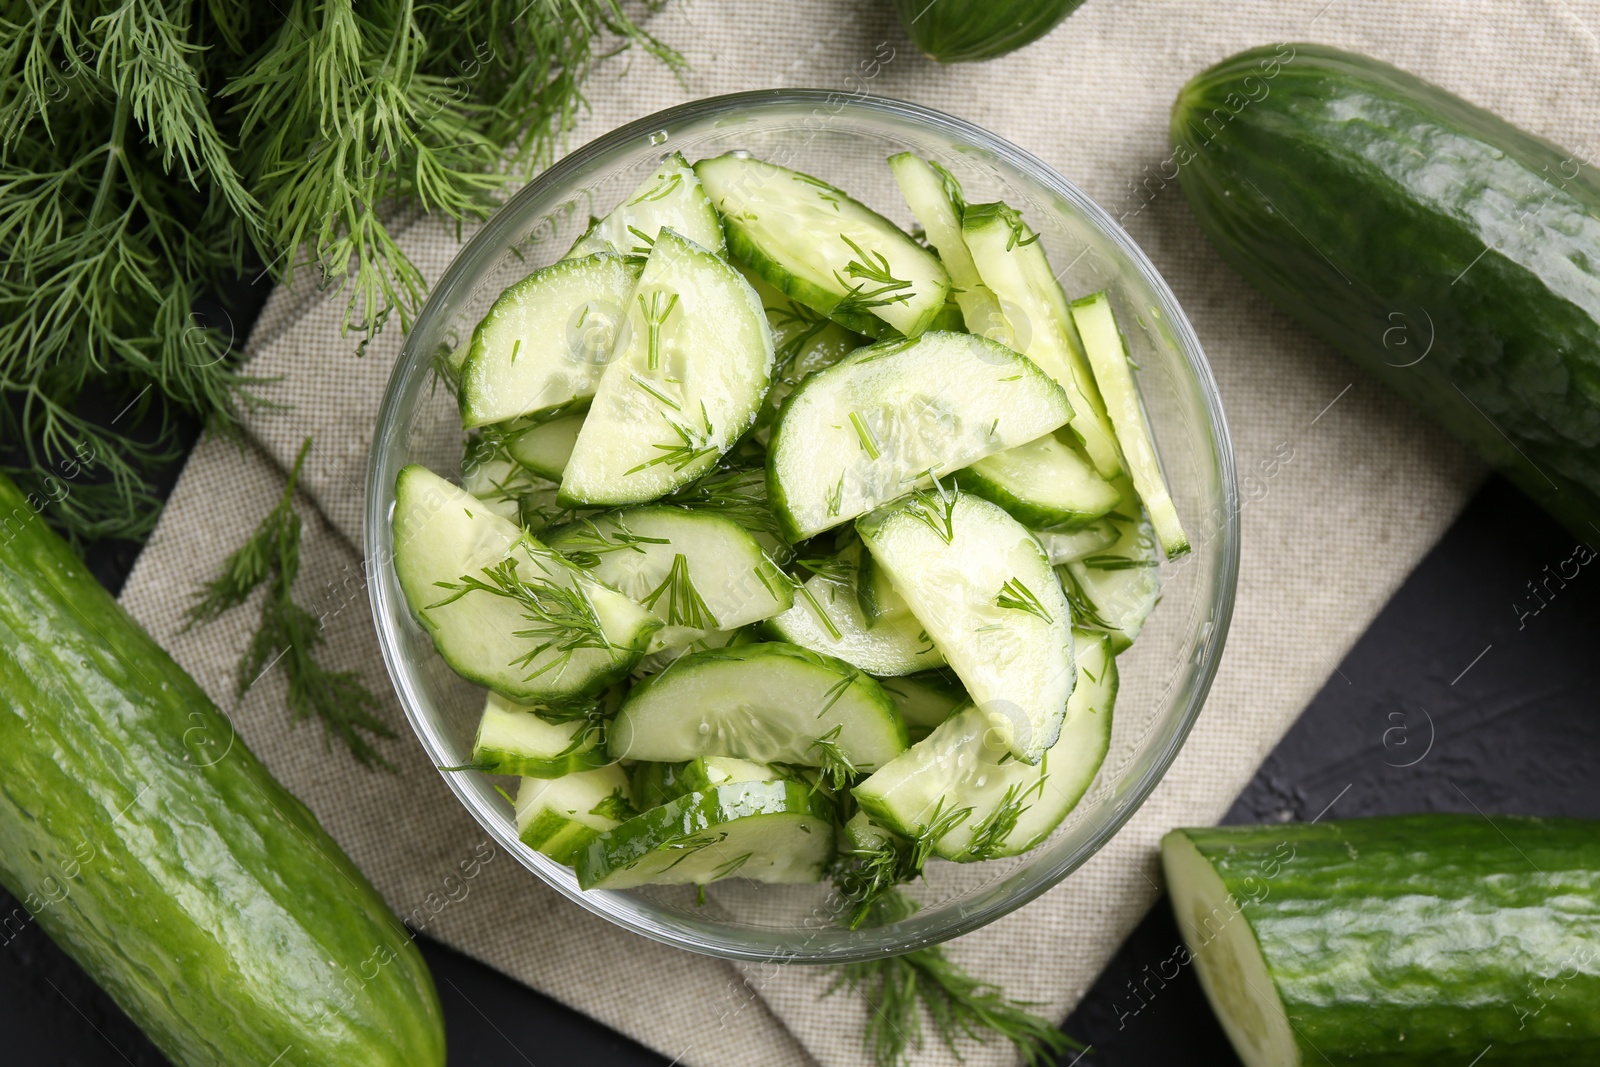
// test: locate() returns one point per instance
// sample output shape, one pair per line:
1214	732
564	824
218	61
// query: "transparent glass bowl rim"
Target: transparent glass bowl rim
933	927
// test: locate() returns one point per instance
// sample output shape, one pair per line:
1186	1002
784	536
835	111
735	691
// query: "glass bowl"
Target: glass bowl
844	140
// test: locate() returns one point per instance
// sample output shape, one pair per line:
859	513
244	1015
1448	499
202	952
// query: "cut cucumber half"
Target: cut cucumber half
1116	588
935	198
696	571
769	702
804	341
823	248
961	777
688	377
671	198
560	816
925	700
545	343
545	448
873	426
1065	546
513	739
1042	483
503	610
982	588
1012	262
827	618
775	832
1108	355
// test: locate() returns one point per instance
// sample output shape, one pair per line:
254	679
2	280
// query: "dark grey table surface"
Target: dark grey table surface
1460	697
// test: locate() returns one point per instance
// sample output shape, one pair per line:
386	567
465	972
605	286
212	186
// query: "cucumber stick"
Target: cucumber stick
685	382
560	816
1108	356
935	198
1012	263
513	739
881	421
1044	483
960	780
824	249
769	702
504	610
1387	942
154	848
671	198
982	588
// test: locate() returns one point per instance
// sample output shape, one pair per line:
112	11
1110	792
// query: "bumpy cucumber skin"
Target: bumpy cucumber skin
154	848
1446	251
965	31
1422	939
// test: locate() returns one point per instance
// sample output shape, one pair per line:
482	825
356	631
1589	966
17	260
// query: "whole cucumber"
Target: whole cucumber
150	844
1387	942
1453	255
964	31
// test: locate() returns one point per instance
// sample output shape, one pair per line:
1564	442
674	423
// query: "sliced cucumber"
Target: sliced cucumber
658	661
874	426
935	198
770	702
982	588
1042	483
1012	262
1108	355
1116	588
823	248
1007	807
925	700
545	447
503	610
1065	546
671	198
696	571
513	739
545	343
655	784
489	473
560	816
804	341
687	380
775	832
827	618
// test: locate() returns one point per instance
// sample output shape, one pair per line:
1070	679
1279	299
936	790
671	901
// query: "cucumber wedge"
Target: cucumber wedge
1013	264
687	380
1115	589
982	588
775	832
770	702
513	739
1042	483
935	198
545	448
827	618
1066	546
560	816
925	700
875	425
1108	355
545	343
824	249
671	198
695	571
503	610
960	775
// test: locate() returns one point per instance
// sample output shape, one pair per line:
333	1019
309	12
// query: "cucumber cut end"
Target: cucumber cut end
1227	958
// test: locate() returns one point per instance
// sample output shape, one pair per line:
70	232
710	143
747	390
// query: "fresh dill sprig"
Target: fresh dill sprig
836	768
990	834
1084	613
587	540
616	806
692	445
1117	563
655	312
868	267
867	879
936	509
289	634
1015	596
684	605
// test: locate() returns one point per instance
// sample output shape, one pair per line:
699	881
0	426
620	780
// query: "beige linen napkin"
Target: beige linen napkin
1327	537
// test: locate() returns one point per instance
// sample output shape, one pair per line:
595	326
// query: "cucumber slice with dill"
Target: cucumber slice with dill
803	341
1114	589
1108	355
770	702
823	248
671	198
887	418
545	448
687	379
775	832
1012	263
1043	483
560	816
489	473
513	738
981	586
935	198
545	343
503	609
1066	546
